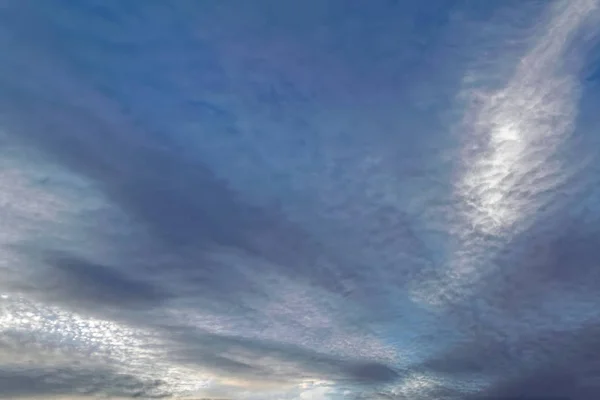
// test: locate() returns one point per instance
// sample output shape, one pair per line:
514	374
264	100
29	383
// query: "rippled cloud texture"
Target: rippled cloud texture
299	200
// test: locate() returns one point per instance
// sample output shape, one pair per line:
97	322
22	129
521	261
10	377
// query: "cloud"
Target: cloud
327	200
81	281
30	382
279	361
518	130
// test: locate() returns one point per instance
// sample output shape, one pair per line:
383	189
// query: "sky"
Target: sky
299	200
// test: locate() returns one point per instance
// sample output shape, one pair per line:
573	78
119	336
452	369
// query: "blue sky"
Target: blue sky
316	200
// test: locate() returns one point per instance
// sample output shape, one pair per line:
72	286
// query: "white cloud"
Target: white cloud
513	135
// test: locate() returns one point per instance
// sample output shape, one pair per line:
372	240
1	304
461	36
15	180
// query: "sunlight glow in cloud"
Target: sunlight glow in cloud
525	122
512	138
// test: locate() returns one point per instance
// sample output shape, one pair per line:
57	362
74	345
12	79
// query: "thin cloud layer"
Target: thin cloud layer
326	200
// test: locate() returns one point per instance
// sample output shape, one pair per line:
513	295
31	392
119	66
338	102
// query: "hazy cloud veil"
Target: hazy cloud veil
295	200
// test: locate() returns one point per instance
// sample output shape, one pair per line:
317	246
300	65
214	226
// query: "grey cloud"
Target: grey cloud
32	381
568	369
82	282
517	332
219	351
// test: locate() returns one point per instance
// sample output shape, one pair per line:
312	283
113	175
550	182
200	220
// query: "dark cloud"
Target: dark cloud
215	351
551	364
568	368
545	290
34	381
81	282
179	200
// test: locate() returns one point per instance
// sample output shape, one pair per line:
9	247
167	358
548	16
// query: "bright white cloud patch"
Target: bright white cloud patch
511	164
